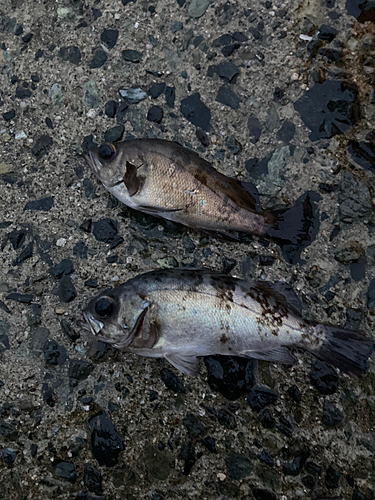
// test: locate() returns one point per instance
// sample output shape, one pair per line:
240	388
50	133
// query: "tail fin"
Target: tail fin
345	349
292	225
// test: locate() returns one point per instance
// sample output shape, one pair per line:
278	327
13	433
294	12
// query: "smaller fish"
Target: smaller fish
181	314
164	179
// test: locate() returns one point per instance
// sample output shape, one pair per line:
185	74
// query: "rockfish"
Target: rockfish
165	179
181	314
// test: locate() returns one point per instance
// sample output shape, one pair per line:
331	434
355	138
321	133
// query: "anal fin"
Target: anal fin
185	363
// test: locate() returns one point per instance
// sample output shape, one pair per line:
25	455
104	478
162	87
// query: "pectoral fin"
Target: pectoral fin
132	182
185	363
155	210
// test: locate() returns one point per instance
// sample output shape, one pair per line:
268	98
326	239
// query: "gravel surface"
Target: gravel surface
276	93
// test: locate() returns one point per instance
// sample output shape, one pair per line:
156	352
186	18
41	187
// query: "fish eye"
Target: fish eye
104	307
107	151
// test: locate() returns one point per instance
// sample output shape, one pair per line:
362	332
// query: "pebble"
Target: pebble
88	143
69	331
105	230
56	95
170	96
260	494
114	134
255	128
238	466
156	90
332	415
42	146
66	290
324	378
227	97
195	111
363	153
20	135
54	354
91	283
61	242
24	255
176	26
64	267
354	199
231	376
260	397
8	455
171	381
9	115
326	33
193	425
187	454
24	298
287	131
295	394
80	250
227	71
80	369
132	55
266	457
210	444
133	95
66	470
110	109
70	54
99	59
350	252
109	37
155	114
332	478
90	94
266	419
197	8
92	479
44	204
23	93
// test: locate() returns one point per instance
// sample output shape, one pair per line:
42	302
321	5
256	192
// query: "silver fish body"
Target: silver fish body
183	314
165	179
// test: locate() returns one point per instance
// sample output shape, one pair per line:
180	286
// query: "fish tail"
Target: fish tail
292	225
345	349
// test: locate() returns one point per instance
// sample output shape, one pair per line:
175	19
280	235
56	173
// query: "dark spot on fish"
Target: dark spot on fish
201	177
224	339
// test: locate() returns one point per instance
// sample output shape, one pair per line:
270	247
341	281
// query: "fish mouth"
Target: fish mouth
93	162
91	324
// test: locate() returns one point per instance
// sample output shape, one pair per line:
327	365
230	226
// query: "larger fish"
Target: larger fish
180	315
164	179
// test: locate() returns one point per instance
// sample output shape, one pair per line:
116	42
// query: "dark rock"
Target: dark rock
171	381
99	59
229	49
194	426
255	128
357	495
354	199
308	481
105	230
88	143
231	376
170	96
33	449
202	137
353	319
79	369
109	37
295	393
80	250
92	479
69	331
227	97
209	443
176	26
43	205
363	153
238	466
324	378
222	40
260	494
187	454
4	307
132	55
266	419
117	240
24	255
196	112
70	54
92	283
332	478
287	131
66	470
227	71
86	226
23	93
54	354
122	111
16	238
8	431
24	298
156	90
9	115
66	290
266	457
326	33
42	146
332	416
8	455
48	395
371	295
234	146
65	267
110	109
350	252
226	419
155	114
293	468
260	397
114	134
313	468
329	108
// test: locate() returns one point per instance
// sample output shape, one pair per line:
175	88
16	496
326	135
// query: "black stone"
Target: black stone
86	226
226	419
38	54
88	143
80	250
332	416
332	478
202	137
194	426
363	153
231	376
33	449
255	128
260	494
79	369
65	267
66	291
105	230
121	111
313	468
42	146
196	112
156	90
226	71
69	331
9	455
227	97
260	397
209	443
8	431
155	114
23	93
170	96
329	108
49	123
54	354
92	479
114	134
371	295
354	199
110	109
24	255
357	495
171	381
4	307
266	419
331	55
117	240
132	55
238	466
222	40
16	238
229	49
9	115
27	38
109	37
35	78
24	298
326	33
293	468
187	454
91	283
106	443
308	481
66	470
70	54
287	131
324	378
266	457
295	393
99	59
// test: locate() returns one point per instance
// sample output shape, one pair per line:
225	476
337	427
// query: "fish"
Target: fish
183	314
164	179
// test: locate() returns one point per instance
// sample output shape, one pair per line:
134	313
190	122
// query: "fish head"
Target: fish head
115	316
